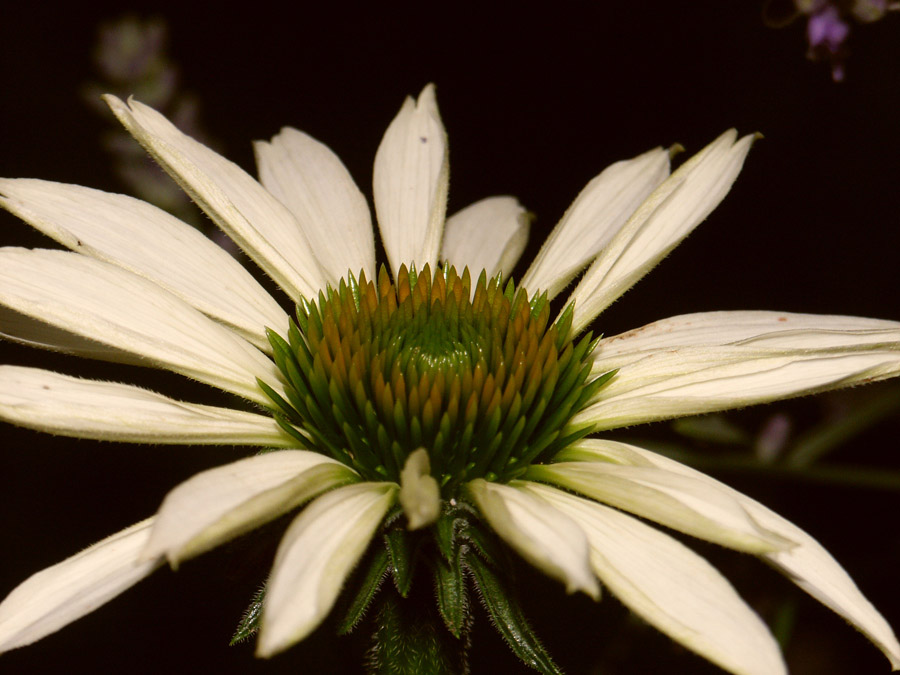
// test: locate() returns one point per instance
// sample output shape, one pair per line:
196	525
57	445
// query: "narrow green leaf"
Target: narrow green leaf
249	623
445	533
483	542
450	591
508	617
376	571
402	555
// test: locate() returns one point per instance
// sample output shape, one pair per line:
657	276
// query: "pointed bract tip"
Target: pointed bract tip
675	149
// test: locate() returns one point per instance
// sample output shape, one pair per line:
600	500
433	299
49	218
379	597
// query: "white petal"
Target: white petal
671	587
807	564
317	553
151	243
488	235
546	538
105	303
773	333
58	595
682	503
410	183
420	495
24	330
694	380
59	404
598	212
222	503
665	218
308	178
256	221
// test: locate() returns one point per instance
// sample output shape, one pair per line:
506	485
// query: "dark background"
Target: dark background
536	102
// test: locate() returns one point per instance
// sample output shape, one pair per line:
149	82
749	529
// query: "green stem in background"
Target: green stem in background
849	476
784	621
830	435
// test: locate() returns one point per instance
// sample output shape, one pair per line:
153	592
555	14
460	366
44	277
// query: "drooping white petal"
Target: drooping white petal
546	538
597	213
488	235
682	503
25	330
151	243
666	217
59	404
671	587
105	303
694	380
222	503
58	595
773	333
807	564
308	178
411	177
317	553
256	221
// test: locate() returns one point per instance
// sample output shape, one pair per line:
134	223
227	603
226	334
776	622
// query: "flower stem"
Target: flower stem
409	638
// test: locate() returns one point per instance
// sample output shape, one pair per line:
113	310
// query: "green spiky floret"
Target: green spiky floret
479	377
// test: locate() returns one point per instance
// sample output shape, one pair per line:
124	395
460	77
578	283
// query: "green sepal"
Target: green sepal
445	534
249	623
452	521
376	571
482	542
402	551
450	592
508	618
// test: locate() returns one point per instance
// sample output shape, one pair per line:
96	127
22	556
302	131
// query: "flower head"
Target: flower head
431	409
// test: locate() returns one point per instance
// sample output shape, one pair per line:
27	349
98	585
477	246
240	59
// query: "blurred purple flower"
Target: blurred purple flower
827	29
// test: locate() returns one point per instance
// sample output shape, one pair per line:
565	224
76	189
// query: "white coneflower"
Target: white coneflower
433	404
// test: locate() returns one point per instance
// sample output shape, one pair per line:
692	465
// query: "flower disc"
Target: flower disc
478	378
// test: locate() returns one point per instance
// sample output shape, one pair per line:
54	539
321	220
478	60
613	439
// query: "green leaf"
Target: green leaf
508	617
484	543
249	623
376	571
450	591
402	553
445	533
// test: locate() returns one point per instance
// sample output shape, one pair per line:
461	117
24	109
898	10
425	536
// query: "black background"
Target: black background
536	102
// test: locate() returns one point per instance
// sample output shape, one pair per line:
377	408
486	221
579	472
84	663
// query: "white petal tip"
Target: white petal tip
274	639
269	645
265	650
589	587
428	96
115	103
